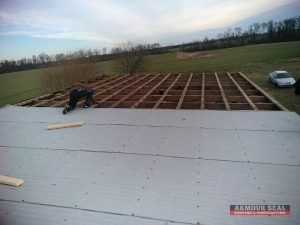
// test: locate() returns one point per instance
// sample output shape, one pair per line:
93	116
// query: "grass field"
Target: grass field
18	86
254	61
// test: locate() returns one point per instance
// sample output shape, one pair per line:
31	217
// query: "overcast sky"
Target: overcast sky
29	27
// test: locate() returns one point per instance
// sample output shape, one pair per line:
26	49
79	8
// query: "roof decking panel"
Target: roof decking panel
127	166
158	188
17	213
247	120
145	136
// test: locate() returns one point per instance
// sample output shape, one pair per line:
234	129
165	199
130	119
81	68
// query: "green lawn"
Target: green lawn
268	57
254	61
18	86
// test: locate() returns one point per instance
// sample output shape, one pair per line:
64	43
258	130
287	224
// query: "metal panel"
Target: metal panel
243	120
147	166
54	115
236	145
16	213
249	120
166	189
176	136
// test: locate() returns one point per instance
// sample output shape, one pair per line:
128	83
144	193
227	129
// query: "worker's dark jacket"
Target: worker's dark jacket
76	95
297	87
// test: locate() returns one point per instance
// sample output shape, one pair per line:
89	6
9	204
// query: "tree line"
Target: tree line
257	33
80	66
43	60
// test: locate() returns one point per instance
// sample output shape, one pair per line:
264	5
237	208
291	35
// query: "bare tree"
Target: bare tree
104	51
43	58
74	68
131	57
256	27
238	31
34	59
264	27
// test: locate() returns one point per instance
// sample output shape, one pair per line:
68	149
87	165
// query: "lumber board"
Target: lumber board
253	106
135	90
166	92
264	93
184	91
12	181
222	93
149	92
64	125
203	91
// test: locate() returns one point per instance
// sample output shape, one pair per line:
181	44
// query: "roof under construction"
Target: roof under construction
148	167
215	91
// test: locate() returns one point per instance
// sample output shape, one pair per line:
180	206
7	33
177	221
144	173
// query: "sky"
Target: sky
29	27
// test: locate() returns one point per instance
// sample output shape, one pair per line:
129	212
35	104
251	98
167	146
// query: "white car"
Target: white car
281	79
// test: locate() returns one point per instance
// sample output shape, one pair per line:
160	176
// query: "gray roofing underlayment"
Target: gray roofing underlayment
148	166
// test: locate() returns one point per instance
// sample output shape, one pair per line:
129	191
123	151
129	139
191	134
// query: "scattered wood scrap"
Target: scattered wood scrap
64	125
11	181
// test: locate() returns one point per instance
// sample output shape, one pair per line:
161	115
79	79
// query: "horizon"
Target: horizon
33	27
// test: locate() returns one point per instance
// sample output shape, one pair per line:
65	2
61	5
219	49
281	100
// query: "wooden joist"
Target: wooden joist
253	106
184	92
227	106
203	91
149	92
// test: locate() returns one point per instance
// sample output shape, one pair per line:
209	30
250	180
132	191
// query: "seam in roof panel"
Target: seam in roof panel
99	211
156	155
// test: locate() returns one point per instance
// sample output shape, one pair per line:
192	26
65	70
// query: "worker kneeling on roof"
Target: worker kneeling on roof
79	91
297	87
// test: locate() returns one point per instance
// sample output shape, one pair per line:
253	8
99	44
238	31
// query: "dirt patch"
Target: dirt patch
194	55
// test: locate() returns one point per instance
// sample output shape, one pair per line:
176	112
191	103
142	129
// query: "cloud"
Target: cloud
111	21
